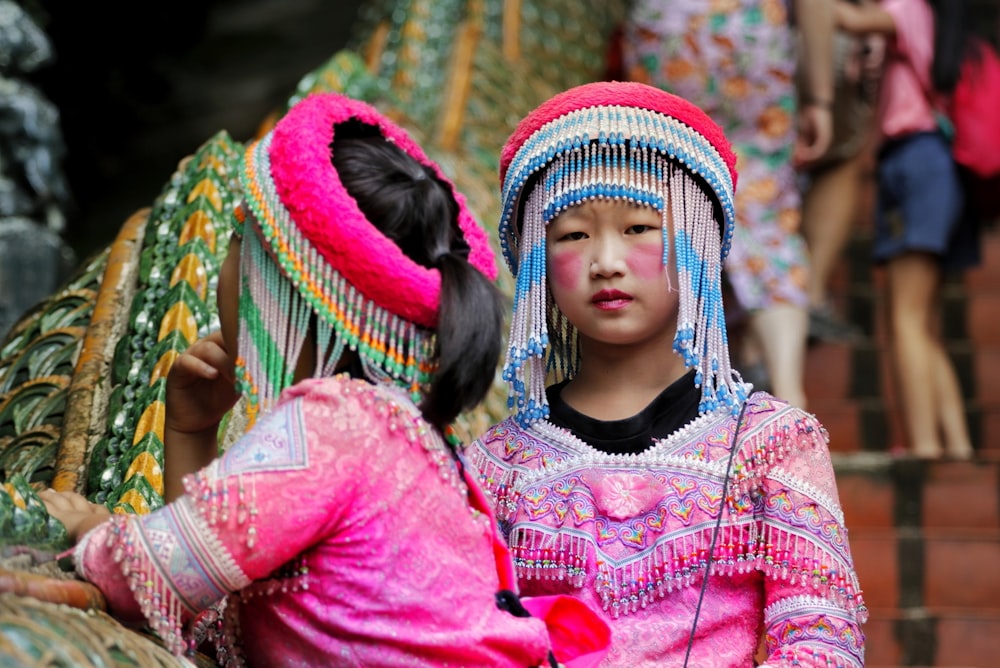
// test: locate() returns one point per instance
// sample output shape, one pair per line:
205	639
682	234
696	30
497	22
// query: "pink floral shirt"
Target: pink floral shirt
338	532
630	535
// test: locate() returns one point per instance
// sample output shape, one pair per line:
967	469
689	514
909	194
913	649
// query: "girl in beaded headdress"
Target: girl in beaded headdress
638	472
358	310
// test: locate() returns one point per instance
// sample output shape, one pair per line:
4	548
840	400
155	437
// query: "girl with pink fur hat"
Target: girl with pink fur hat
359	318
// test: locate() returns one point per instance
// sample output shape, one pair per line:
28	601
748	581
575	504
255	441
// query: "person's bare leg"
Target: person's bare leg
951	411
913	281
829	210
781	332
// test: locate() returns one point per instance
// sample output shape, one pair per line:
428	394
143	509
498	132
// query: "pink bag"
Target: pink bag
973	110
579	637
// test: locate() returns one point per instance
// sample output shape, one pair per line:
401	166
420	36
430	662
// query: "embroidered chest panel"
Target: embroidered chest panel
626	503
637	526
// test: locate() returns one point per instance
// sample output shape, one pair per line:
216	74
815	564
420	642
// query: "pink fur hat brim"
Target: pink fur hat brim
320	207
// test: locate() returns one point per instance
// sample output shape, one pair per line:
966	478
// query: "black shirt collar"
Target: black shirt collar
673	408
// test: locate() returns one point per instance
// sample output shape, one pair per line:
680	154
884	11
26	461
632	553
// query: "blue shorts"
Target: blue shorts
921	203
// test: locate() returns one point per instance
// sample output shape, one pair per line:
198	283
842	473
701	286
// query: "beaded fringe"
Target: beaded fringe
275	319
681	562
156	598
216	503
649	131
634	172
220	627
744	543
224	500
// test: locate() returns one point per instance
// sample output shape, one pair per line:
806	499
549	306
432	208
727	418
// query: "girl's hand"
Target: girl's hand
201	387
76	513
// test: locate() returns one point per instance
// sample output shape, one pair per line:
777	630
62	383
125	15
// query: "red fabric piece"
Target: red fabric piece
580	639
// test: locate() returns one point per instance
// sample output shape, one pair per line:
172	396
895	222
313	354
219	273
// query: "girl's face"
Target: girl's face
606	273
227	294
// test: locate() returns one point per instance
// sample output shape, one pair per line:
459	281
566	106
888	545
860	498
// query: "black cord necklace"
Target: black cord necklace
715	531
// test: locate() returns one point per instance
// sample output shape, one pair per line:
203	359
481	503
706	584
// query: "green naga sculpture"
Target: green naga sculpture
82	375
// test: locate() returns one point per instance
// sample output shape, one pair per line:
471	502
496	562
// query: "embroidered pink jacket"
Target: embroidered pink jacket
630	535
339	532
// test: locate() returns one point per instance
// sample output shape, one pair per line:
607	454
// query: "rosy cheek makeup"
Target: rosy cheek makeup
646	261
564	269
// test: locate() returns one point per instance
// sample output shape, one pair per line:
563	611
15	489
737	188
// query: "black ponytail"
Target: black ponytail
469	338
953	42
411	206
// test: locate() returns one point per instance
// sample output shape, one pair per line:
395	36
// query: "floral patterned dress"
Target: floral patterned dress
736	60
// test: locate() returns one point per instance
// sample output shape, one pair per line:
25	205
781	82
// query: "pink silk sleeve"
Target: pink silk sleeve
181	559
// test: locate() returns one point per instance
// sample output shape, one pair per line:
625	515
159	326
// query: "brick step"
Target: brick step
982	318
938	568
842	419
873	425
941	638
881	426
925	537
850	388
828	371
989	430
878	491
986	374
852	392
